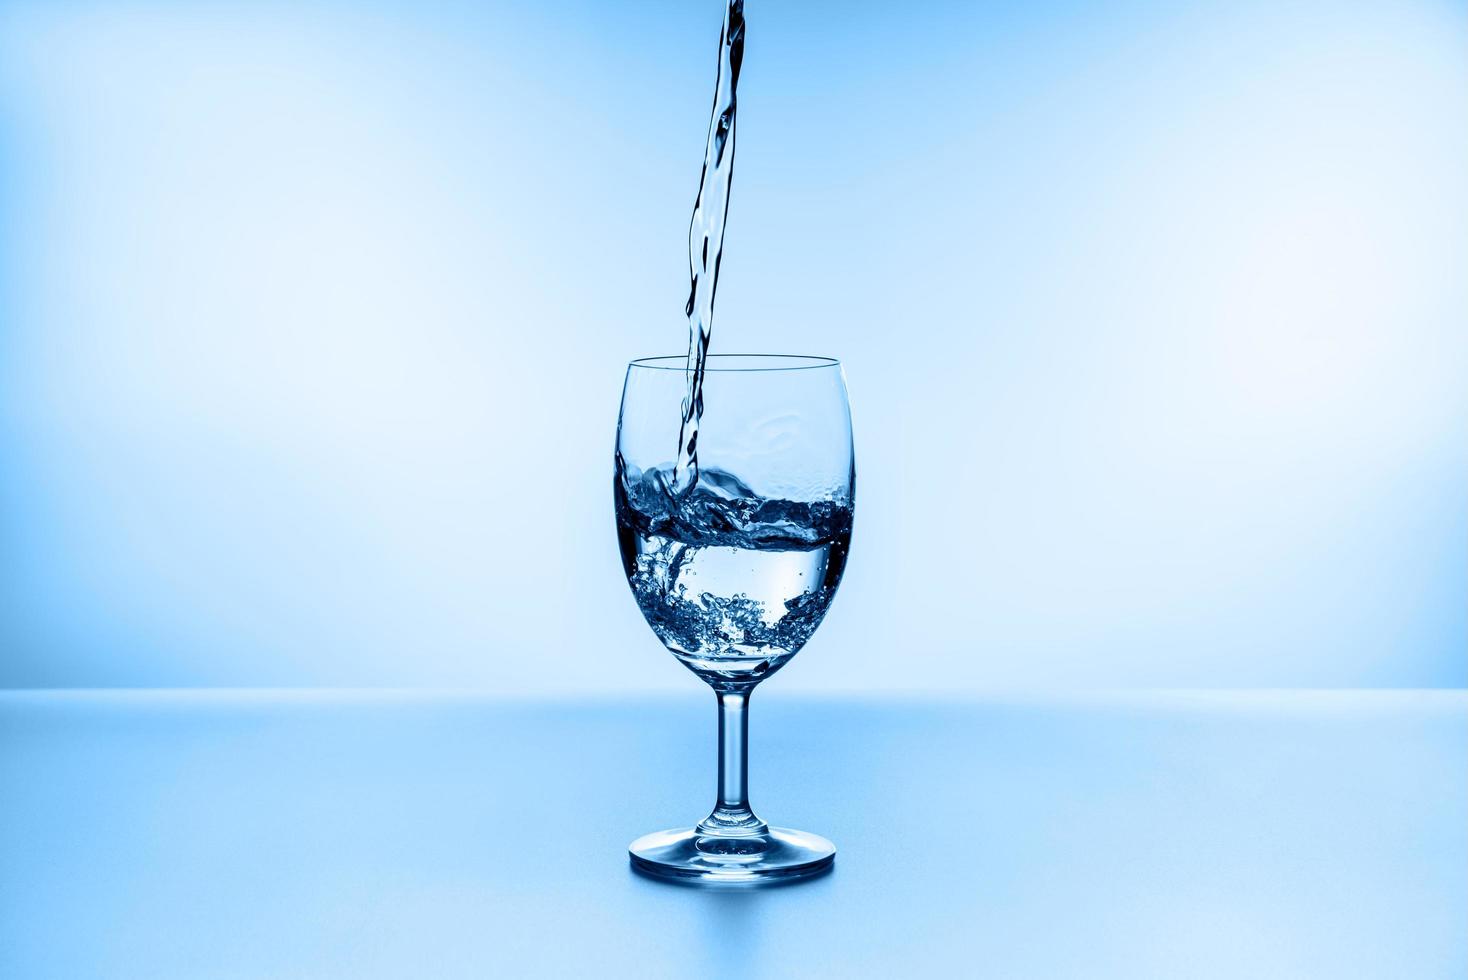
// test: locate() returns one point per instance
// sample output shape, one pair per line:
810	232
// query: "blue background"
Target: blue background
313	318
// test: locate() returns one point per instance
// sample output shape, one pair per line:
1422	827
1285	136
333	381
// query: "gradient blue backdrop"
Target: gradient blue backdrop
313	318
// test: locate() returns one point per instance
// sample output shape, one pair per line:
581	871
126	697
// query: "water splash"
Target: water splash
733	583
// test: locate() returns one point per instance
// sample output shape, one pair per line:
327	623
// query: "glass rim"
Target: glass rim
783	362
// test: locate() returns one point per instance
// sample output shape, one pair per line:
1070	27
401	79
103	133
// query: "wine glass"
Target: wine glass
735	573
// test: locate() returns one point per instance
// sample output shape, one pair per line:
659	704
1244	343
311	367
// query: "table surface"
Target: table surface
277	834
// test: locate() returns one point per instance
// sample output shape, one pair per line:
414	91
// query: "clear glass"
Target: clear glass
735	574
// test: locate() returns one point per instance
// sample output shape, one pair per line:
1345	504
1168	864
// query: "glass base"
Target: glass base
777	855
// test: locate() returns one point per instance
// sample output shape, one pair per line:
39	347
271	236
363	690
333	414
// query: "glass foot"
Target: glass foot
777	855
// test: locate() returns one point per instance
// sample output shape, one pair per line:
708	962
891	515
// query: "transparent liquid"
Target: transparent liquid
733	583
706	238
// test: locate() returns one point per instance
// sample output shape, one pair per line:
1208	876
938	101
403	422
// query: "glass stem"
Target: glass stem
732	816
